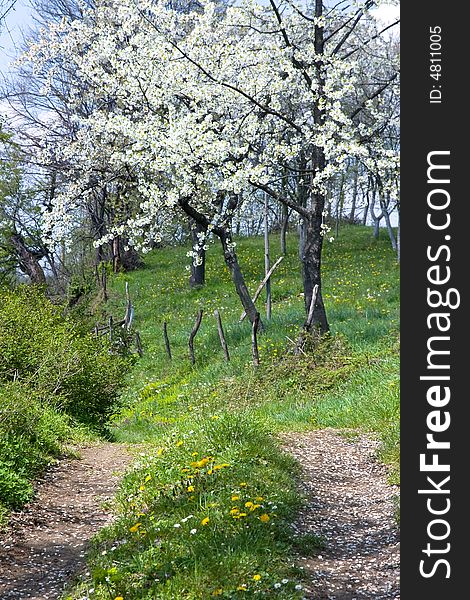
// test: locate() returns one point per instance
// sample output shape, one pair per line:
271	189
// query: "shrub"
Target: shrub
53	354
31	434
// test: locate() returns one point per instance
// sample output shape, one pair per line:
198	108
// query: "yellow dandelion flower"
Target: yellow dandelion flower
243	484
190	488
234	511
194	453
264	518
248	504
179	443
210	471
148	478
159	451
255	506
256	577
235	497
135	527
242	587
259	499
205	521
119	598
218	592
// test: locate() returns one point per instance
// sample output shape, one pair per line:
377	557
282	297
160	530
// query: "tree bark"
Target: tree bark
284	226
267	259
352	213
311	265
230	256
231	260
28	260
390	231
375	219
198	271
116	251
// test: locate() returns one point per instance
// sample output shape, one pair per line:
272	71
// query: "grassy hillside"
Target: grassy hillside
206	512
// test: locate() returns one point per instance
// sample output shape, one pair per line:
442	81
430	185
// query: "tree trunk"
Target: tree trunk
130	258
28	260
312	232
267	259
198	270
284	226
340	204
375	219
231	260
366	208
116	251
311	264
390	231
352	213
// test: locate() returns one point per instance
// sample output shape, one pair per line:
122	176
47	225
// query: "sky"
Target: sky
18	19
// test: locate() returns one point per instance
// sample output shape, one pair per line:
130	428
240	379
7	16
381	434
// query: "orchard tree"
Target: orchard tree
209	105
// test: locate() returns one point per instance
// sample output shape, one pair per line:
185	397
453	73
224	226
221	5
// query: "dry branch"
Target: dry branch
263	283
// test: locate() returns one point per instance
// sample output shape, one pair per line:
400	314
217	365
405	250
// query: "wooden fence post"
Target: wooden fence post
129	316
192	335
167	339
254	340
223	341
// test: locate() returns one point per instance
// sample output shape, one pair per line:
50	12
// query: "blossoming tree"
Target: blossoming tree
194	111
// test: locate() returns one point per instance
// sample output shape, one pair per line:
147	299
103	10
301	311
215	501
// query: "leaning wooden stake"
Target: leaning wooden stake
254	340
263	283
129	316
138	344
223	341
308	322
167	339
192	335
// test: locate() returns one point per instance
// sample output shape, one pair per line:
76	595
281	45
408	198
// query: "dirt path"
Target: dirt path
350	505
48	539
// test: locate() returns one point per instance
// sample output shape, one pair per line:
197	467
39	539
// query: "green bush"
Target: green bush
52	353
31	433
53	375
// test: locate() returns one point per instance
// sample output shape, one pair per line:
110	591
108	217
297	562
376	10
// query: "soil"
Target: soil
352	508
46	542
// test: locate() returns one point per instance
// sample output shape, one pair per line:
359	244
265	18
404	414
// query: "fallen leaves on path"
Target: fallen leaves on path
351	506
46	542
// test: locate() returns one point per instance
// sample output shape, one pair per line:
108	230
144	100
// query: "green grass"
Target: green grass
230	414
